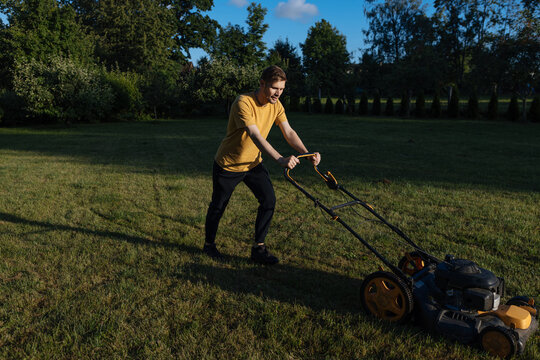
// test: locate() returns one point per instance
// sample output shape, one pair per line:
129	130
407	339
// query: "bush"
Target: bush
295	103
513	109
339	109
420	109
128	100
62	89
13	108
159	94
453	105
436	110
405	106
389	110
317	106
363	107
307	104
472	106
534	110
493	107
329	106
376	110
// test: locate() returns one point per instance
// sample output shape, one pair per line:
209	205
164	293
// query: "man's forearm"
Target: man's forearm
295	142
265	146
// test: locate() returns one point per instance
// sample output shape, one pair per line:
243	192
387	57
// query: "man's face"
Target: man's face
272	91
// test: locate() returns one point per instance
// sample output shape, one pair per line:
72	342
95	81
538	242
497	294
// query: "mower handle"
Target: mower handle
328	178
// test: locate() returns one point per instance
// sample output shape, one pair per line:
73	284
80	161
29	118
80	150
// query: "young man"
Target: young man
239	159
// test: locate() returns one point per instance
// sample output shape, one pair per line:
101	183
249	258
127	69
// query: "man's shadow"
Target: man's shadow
312	288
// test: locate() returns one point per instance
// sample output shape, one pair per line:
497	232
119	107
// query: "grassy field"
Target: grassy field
101	228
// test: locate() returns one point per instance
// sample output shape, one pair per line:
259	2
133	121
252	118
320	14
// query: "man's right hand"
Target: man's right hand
288	162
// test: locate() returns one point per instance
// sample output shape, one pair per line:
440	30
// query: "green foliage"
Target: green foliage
329	106
405	104
284	55
1	114
13	107
38	30
472	106
307	105
244	47
339	108
513	112
217	82
436	110
376	108
453	104
534	110
363	106
326	58
295	103
493	106
420	109
389	109
128	100
62	89
160	93
317	105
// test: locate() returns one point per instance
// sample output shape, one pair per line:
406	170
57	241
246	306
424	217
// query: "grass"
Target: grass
101	228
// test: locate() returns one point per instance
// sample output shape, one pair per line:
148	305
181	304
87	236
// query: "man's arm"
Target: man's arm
263	145
295	142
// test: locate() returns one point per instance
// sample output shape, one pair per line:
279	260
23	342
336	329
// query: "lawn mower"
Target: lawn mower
453	297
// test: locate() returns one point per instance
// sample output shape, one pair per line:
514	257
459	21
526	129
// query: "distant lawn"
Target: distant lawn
101	228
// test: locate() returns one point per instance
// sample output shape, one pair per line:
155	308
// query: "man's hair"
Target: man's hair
273	73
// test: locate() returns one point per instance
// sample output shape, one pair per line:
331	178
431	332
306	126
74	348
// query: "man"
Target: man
239	158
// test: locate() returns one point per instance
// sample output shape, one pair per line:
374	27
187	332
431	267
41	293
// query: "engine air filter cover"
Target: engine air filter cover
462	274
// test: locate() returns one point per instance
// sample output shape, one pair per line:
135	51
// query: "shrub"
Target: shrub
329	106
159	93
317	106
62	89
363	107
376	110
389	110
307	104
453	104
436	110
128	100
534	110
493	107
1	114
513	109
472	106
339	109
295	103
13	108
405	105
420	109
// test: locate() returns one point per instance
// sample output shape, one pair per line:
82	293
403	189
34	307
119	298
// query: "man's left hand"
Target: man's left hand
315	159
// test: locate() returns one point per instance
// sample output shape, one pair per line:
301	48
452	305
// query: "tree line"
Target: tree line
90	60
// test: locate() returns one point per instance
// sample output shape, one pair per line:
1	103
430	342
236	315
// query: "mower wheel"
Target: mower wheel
386	296
411	263
499	341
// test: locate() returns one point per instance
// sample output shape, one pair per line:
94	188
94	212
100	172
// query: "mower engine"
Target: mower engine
462	301
465	286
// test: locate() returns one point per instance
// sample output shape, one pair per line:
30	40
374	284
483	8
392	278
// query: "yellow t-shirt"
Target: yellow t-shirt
237	151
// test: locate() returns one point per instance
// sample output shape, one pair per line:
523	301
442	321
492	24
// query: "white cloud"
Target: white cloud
296	10
239	3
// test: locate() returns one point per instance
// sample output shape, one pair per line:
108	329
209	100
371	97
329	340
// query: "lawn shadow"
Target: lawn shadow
489	154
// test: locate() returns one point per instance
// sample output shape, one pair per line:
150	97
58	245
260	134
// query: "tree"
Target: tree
436	110
493	106
243	47
284	55
512	113
329	106
39	30
376	109
472	106
453	104
420	109
181	20
389	110
534	110
363	106
326	58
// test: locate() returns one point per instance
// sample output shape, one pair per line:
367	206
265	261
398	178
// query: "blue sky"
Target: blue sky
291	19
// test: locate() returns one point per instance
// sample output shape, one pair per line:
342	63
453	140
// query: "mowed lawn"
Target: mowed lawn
101	228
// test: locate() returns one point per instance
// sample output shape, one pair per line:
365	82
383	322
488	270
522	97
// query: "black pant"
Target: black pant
224	183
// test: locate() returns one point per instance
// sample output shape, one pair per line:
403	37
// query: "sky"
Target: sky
291	19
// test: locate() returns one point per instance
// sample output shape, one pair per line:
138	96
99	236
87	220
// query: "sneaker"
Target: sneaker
260	255
212	251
